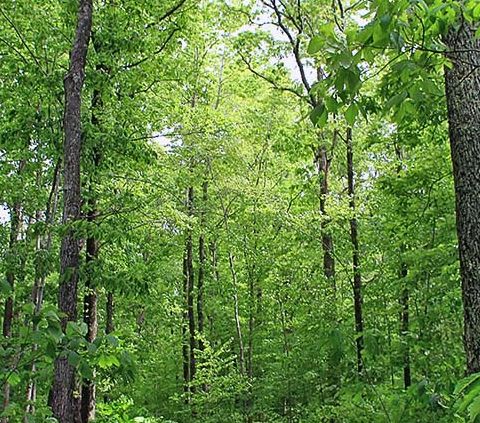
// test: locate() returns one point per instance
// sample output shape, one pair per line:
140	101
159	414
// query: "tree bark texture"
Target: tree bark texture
63	401
462	84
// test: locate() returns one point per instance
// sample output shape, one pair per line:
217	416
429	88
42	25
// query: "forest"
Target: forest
240	211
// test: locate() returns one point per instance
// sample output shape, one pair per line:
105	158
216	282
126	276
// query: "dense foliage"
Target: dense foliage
267	227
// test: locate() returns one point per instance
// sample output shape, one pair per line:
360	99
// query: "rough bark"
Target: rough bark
357	276
90	313
462	84
63	394
90	297
323	166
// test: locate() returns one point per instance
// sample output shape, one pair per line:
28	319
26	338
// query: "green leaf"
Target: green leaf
319	115
465	383
351	114
315	45
74	358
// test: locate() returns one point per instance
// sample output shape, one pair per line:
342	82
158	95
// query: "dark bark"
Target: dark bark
323	166
90	312
462	84
90	297
185	348
357	276
109	327
64	403
201	267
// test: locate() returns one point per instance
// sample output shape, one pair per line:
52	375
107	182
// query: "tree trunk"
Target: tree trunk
404	331
462	84
43	246
241	351
190	287
63	400
109	327
90	312
15	220
201	268
91	297
185	348
357	276
323	167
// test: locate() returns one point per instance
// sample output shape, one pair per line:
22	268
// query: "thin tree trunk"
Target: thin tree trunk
15	219
190	287
90	312
462	84
185	343
90	298
241	355
404	304
64	403
357	276
404	329
110	327
323	167
201	268
43	246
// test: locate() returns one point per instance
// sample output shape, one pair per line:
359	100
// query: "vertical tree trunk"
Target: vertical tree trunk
185	348
43	246
241	351
462	84
404	330
63	400
323	166
190	287
109	327
357	276
201	268
90	296
15	219
90	312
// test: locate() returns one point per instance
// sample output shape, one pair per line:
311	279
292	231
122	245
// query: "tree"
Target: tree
462	81
63	398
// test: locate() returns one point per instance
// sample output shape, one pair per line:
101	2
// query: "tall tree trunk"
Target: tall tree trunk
90	296
241	351
201	268
15	220
109	327
405	329
357	276
323	166
462	84
188	347
185	342
43	246
190	287
63	396
90	311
